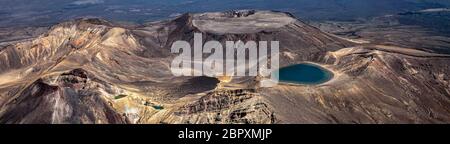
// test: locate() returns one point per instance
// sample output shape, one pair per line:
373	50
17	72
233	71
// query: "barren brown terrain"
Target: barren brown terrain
95	71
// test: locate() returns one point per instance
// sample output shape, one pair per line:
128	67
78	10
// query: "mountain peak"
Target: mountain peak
243	21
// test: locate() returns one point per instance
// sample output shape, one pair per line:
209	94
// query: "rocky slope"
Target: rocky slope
371	86
94	71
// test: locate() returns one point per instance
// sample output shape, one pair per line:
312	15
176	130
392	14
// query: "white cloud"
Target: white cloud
174	14
86	2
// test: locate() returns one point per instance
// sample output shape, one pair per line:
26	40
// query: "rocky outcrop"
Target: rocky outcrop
73	97
228	106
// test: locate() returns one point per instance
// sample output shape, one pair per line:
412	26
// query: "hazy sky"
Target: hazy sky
46	12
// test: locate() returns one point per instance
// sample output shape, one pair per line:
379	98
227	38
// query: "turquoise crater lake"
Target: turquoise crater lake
305	73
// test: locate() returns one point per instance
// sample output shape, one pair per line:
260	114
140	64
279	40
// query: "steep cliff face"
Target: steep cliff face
228	106
93	71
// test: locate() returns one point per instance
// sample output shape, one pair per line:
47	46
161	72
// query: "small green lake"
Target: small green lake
305	73
157	107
